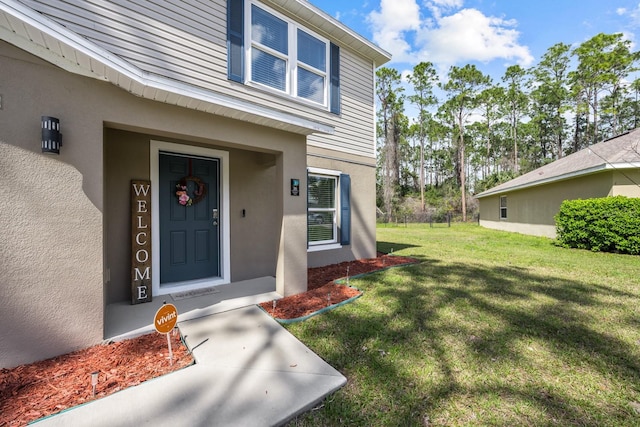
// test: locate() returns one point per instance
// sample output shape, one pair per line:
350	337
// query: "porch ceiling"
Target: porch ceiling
36	34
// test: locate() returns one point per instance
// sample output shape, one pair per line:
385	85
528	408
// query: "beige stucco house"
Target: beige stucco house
263	108
528	203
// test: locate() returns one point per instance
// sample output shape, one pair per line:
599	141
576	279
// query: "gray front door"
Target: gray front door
189	234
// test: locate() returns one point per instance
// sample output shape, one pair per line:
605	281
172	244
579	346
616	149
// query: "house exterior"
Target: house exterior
263	109
529	203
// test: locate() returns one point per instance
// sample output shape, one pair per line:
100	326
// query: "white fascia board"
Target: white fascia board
564	177
124	69
340	31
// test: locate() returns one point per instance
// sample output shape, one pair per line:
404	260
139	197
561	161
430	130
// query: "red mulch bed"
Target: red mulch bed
30	392
323	290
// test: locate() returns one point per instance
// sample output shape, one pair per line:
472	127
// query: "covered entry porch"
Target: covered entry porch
257	258
123	320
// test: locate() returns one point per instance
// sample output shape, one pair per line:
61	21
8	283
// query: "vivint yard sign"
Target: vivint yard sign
140	241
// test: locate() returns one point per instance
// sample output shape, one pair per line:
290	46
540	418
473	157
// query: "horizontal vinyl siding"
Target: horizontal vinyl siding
176	46
355	128
186	41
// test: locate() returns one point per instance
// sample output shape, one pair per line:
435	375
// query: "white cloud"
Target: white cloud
633	15
445	34
469	35
449	4
392	23
437	7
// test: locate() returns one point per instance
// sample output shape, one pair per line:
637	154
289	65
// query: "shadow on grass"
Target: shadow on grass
433	336
390	247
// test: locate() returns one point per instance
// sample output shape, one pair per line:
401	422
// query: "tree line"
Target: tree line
471	133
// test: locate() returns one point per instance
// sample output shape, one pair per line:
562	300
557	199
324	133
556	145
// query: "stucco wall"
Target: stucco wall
541	230
55	302
50	214
532	211
363	206
626	183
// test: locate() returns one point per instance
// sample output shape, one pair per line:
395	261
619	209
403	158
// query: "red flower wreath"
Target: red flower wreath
182	192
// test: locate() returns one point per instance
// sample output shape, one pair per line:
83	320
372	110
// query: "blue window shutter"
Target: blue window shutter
235	40
345	209
334	78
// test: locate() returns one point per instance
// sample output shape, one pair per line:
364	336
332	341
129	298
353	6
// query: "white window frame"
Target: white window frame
335	242
291	58
503	208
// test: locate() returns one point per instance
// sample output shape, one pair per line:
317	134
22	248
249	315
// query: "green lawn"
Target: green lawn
490	328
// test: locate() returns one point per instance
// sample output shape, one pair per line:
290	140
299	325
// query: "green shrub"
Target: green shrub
610	224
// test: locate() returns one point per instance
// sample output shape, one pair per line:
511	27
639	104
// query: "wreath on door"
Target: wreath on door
183	188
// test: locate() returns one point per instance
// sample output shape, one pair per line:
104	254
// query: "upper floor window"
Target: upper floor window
287	58
270	50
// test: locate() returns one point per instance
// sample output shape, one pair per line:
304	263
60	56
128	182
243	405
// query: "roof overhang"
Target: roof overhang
314	17
589	171
34	33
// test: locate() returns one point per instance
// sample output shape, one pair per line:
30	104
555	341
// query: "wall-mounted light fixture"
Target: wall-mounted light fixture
51	136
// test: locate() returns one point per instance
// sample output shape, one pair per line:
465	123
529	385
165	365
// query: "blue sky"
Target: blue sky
493	34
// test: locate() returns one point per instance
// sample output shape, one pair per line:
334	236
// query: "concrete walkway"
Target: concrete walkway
249	371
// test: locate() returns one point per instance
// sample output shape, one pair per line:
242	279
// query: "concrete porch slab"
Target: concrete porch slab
123	320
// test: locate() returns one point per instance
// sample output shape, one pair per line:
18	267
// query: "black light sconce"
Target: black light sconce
51	136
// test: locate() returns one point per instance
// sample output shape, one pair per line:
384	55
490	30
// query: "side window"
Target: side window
321	209
503	207
328	208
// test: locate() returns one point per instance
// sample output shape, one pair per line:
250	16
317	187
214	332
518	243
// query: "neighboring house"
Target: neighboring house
528	203
267	107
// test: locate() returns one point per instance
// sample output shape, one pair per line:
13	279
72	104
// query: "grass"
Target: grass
490	328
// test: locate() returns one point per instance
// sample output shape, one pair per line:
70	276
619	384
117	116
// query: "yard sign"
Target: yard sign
165	320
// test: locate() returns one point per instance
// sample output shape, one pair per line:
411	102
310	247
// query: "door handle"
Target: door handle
214	215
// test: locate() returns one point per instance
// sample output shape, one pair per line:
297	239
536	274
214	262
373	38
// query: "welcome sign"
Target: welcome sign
140	241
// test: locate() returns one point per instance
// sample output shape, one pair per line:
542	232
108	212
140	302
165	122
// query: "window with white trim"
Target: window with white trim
503	207
322	208
286	57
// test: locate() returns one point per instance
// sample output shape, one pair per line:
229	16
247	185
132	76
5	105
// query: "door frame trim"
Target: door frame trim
225	244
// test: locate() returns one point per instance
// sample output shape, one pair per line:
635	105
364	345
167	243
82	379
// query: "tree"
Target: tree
516	102
627	109
635	88
462	89
551	97
603	61
423	78
390	114
489	102
479	136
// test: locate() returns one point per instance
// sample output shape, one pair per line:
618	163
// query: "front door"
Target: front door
189	218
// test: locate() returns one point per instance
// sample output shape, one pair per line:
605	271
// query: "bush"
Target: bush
610	224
